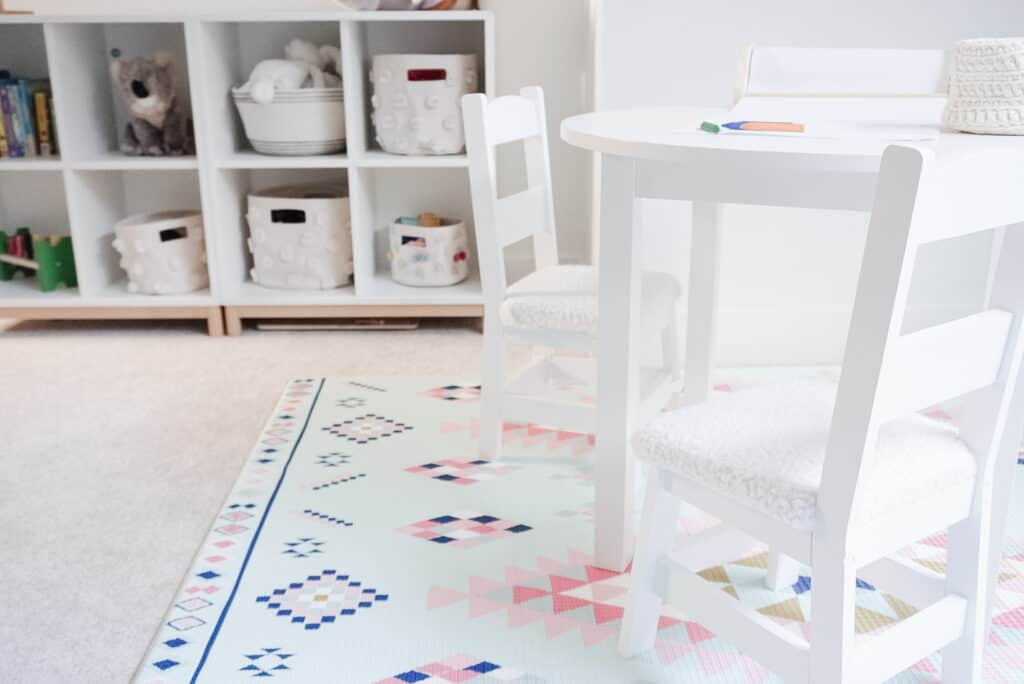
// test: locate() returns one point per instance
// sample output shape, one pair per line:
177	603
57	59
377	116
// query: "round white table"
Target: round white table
660	154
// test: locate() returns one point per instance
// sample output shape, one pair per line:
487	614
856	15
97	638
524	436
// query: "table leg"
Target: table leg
702	305
619	307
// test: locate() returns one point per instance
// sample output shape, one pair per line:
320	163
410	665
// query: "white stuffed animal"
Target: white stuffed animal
330	59
327	58
305	66
281	74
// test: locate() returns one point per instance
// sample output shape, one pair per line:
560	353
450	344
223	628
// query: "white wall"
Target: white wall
788	277
548	43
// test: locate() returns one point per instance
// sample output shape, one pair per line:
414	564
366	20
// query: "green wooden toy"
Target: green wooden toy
51	259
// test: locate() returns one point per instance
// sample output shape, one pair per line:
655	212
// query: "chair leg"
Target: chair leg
670	353
492	390
783	571
968	574
833	595
657	532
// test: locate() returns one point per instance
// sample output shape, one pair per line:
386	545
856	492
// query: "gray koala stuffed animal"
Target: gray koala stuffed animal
160	123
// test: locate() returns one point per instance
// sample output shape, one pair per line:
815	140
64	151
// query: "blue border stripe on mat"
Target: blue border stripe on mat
255	537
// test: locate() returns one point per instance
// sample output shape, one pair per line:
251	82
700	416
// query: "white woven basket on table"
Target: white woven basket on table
986	87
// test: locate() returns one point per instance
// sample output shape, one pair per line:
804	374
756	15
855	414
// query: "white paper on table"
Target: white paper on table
848	131
854	131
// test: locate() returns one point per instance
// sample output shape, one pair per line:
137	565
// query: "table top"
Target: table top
671	134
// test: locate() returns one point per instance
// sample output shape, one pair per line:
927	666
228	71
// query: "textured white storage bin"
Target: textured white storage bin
417	101
300	238
986	87
163	252
429	257
297	122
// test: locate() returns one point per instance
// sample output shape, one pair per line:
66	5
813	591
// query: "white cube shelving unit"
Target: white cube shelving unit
92	185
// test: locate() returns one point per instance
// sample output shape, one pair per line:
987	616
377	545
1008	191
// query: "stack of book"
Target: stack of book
26	117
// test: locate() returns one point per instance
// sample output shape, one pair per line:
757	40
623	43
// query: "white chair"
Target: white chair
555	306
841	477
830	84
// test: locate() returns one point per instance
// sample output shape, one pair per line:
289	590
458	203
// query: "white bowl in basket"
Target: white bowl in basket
297	122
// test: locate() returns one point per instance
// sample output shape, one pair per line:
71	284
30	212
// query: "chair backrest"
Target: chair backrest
894	86
888	373
503	221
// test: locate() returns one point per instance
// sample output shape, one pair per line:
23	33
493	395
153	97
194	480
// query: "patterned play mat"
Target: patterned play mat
366	542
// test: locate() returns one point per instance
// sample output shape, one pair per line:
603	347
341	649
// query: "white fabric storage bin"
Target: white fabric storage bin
429	257
297	122
986	87
163	252
417	101
300	238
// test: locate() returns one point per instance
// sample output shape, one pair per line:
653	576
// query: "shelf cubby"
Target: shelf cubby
442	191
232	188
33	200
91	116
368	39
230	51
101	198
23	54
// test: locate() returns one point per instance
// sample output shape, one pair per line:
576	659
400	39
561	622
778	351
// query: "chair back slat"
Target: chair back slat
888	374
775	71
510	119
972	194
519	215
501	222
936	364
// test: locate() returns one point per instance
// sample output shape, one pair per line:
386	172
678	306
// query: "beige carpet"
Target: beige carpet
118	442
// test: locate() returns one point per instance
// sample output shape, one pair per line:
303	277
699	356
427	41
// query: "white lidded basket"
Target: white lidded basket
417	102
163	252
300	238
297	122
429	257
986	87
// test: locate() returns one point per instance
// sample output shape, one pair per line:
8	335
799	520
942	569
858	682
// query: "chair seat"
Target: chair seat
564	299
766	447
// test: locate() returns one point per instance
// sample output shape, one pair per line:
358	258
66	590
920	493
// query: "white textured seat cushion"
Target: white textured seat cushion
564	298
766	447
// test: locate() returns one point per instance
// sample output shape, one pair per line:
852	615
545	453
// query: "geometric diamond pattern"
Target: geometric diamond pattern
462	668
464	530
333	459
186	623
571	596
368	428
266	663
303	547
193	604
165	664
462	472
455	393
321	599
351	402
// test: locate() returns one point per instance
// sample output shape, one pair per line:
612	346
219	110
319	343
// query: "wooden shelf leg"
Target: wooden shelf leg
232	321
215	322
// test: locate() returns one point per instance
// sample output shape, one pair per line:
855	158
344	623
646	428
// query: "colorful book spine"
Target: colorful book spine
3	138
28	124
7	107
42	112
